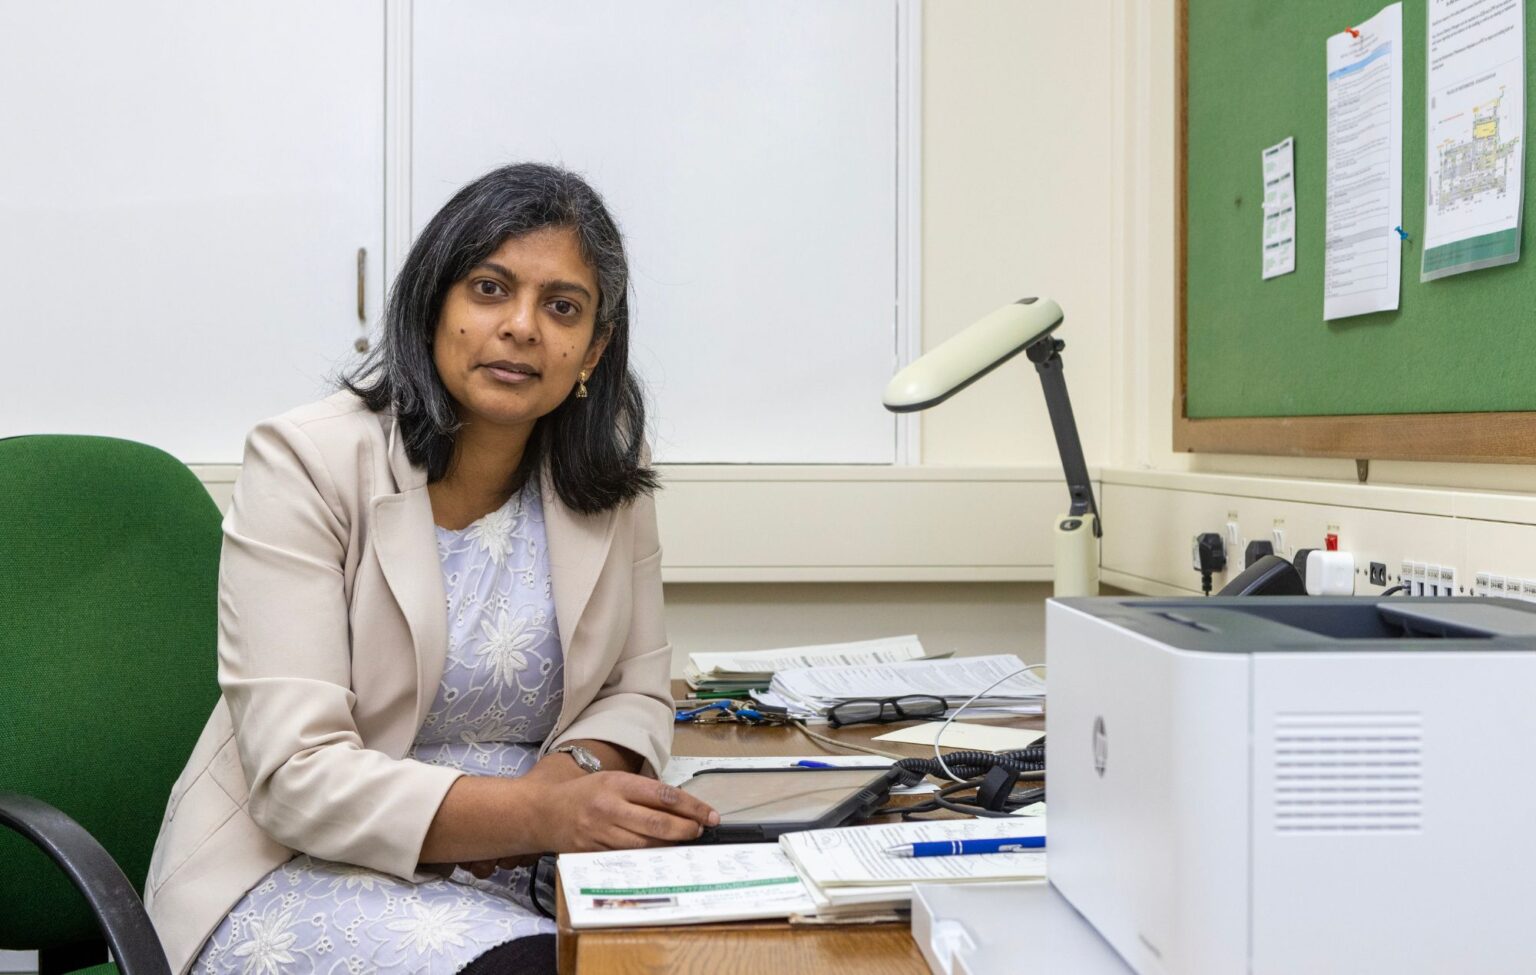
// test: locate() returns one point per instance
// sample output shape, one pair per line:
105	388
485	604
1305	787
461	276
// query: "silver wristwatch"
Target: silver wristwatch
583	757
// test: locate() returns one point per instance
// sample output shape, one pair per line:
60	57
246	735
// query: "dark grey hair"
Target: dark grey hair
592	447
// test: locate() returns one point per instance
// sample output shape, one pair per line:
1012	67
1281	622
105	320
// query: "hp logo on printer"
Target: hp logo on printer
1100	745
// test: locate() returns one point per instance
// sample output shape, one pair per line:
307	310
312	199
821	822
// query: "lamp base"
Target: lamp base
1077	555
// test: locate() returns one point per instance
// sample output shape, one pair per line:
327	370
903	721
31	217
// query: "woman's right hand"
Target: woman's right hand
621	811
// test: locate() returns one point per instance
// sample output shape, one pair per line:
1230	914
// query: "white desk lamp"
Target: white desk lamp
1024	326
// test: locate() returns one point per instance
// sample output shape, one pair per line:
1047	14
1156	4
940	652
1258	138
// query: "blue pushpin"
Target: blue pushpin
1402	233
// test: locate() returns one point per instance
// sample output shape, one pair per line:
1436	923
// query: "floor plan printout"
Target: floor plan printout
1361	247
1474	132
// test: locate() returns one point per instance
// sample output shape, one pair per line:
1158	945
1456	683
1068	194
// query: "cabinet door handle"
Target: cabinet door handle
362	264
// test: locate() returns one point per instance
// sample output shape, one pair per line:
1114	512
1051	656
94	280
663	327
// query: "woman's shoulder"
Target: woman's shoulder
339	420
339	434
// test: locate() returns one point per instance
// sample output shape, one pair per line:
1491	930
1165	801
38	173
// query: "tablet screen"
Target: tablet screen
775	796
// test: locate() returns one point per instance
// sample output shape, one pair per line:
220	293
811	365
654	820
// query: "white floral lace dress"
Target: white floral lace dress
499	698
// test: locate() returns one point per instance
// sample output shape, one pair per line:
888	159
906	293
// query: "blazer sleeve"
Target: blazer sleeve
285	669
633	708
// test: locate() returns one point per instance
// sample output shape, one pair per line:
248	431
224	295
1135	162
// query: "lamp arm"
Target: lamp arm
1046	355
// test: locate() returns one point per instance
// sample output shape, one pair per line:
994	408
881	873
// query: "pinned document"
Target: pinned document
1474	133
1362	252
1278	164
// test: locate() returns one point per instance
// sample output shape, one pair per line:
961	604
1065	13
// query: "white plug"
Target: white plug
1330	574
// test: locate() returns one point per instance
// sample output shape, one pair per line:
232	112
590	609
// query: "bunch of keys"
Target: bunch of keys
744	712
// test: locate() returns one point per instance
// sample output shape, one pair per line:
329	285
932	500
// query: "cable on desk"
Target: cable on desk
826	742
938	756
1028	762
945	799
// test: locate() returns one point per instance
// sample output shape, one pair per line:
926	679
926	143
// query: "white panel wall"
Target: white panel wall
183	192
749	152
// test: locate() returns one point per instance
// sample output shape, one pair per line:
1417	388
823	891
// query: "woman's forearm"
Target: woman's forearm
484	817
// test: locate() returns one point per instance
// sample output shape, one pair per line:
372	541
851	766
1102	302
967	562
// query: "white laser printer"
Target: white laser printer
1296	786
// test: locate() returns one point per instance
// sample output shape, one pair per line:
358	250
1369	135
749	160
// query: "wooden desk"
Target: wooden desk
753	947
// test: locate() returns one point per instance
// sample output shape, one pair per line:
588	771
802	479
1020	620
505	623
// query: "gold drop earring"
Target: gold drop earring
581	386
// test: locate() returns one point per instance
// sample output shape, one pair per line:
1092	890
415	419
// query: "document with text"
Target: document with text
1362	249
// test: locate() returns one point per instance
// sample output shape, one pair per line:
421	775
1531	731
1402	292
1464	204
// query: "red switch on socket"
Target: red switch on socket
1331	542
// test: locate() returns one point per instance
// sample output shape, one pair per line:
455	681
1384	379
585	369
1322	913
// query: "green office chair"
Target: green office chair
109	554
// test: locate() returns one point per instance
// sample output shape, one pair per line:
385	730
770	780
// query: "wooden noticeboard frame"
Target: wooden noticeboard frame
1471	437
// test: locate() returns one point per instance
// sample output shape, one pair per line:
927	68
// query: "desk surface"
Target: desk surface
756	947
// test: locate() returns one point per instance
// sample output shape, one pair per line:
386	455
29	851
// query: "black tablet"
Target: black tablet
760	804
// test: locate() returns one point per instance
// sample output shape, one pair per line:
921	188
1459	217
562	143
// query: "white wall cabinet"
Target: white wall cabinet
186	187
184	190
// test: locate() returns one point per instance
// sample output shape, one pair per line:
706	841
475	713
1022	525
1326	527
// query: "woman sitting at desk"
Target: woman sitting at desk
440	622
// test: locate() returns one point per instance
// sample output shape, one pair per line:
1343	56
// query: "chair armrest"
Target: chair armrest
118	909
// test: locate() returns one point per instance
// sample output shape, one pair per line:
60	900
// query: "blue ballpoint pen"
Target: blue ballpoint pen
950	848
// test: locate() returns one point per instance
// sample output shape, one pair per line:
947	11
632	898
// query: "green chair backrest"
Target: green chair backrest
109	555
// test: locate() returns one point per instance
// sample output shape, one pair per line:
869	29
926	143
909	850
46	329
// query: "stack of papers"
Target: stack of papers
730	674
832	874
848	871
809	693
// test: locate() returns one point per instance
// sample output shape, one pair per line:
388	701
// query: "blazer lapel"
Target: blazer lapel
407	550
578	548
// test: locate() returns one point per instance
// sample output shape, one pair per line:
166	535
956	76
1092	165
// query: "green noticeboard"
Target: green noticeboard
1255	73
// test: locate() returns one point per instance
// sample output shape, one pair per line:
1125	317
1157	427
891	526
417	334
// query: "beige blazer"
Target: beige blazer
332	636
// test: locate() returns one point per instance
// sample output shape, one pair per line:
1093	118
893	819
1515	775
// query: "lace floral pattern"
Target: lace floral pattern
499	698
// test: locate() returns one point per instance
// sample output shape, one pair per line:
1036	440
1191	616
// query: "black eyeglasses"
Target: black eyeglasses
886	709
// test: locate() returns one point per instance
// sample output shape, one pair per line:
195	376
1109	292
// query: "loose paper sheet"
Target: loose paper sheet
961	734
1361	247
1278	164
1474	134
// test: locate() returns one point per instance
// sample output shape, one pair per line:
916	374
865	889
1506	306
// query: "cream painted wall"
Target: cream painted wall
1016	201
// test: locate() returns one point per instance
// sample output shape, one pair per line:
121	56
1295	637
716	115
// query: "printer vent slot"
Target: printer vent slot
1359	772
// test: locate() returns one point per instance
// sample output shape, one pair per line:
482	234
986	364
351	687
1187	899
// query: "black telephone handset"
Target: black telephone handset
1269	576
